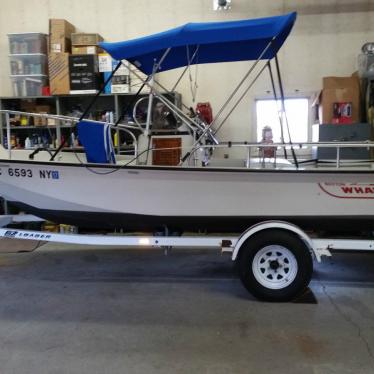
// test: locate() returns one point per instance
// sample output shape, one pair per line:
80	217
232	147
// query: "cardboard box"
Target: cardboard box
83	92
84	73
83	39
83	64
120	88
108	64
105	63
120	83
51	122
58	64
336	92
63	45
34	108
108	87
28	106
43	108
39	121
60	32
86	50
121	78
60	28
123	69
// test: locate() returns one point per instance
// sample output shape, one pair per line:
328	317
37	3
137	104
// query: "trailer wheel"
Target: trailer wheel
275	265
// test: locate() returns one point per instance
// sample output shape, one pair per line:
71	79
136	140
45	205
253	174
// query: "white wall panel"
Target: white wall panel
325	41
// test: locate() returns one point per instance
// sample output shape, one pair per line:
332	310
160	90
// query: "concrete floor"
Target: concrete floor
74	310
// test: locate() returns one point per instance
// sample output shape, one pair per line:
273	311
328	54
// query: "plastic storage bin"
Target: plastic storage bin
28	85
28	64
32	42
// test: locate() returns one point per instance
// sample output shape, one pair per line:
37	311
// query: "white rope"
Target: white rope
193	83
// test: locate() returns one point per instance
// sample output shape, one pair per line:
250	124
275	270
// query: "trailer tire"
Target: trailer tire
275	265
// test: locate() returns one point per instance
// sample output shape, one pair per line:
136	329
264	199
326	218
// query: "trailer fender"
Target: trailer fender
268	225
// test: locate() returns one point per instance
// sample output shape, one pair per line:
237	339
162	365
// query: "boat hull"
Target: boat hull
133	222
147	198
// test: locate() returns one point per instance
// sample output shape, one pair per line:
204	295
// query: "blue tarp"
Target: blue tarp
218	42
97	142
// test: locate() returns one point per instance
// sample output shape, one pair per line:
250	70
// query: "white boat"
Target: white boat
133	194
216	199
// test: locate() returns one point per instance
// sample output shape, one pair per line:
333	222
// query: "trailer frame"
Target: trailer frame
290	246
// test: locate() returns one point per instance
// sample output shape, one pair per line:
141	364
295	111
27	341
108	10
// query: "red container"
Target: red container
46	91
342	113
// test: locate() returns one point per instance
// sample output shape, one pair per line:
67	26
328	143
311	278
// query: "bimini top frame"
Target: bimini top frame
242	40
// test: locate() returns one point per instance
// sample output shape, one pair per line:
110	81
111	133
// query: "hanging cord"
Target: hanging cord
89	107
193	82
184	70
284	111
276	103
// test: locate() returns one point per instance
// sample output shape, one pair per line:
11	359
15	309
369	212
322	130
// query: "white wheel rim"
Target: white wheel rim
274	267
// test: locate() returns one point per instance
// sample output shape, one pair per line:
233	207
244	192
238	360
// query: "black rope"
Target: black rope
90	105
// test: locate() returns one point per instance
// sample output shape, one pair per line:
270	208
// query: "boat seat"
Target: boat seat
96	139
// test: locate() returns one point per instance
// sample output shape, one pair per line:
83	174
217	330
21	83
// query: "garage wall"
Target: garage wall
325	41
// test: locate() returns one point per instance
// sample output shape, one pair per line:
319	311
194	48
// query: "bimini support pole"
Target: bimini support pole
149	110
233	108
178	112
156	67
254	80
284	110
233	93
276	103
170	105
145	82
150	103
240	84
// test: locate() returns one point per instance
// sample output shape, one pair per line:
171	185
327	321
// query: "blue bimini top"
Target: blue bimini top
214	42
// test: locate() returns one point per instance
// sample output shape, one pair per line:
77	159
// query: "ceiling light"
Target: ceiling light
221	4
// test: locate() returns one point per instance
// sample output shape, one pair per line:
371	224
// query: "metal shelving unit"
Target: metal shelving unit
64	103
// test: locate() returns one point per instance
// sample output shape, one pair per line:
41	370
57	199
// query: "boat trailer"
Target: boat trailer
274	257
